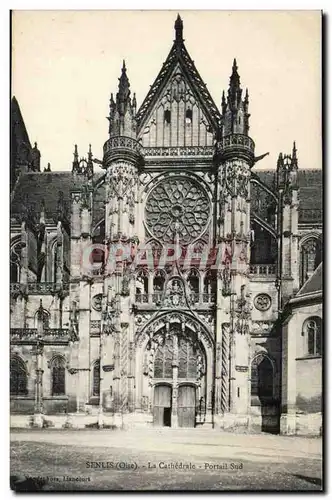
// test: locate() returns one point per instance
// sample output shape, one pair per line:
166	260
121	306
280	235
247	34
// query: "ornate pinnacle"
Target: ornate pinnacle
75	154
178	29
234	91
124	91
223	103
294	156
280	162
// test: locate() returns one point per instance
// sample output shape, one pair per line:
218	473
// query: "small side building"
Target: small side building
302	348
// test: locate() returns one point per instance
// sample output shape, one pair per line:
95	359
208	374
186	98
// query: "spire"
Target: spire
178	29
123	94
75	165
294	156
223	103
234	91
134	103
119	123
235	115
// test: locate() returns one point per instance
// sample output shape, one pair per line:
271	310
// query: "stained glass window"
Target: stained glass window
312	329
96	379
163	360
177	205
58	376
18	377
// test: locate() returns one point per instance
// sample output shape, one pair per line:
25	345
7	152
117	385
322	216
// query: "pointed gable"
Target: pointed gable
178	110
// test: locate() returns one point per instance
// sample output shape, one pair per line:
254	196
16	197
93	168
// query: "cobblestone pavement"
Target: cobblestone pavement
168	459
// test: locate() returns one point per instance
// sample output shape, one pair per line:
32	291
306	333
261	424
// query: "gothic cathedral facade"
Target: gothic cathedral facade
164	284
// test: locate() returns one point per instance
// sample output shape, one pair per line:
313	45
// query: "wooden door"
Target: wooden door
162	404
186	406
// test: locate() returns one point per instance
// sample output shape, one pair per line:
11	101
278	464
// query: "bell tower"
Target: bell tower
234	158
121	161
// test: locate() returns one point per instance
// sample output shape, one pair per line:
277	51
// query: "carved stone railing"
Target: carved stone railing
15	287
194	298
56	332
142	298
263	270
31	333
119	147
20	333
39	288
239	143
180	151
209	298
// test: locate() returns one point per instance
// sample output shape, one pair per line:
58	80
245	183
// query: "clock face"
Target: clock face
177	205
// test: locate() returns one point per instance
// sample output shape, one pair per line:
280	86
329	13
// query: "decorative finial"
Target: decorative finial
35	145
294	156
223	102
178	29
124	65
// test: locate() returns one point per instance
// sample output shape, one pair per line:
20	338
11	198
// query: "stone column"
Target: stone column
38	409
175	383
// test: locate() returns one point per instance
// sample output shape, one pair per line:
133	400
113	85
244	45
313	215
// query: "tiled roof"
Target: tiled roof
35	187
38	186
314	284
310	192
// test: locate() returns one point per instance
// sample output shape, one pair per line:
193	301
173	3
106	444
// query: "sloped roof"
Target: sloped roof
179	55
313	284
310	192
38	186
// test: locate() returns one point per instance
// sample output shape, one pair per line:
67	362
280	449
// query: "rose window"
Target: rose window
177	205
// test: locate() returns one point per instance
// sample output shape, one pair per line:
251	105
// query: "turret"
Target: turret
123	110
235	116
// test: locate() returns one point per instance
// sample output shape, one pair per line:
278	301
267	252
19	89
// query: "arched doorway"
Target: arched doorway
263	397
178	376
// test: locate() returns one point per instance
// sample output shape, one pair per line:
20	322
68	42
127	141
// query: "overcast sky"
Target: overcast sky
66	63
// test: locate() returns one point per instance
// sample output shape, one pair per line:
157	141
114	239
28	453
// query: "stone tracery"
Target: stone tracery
177	205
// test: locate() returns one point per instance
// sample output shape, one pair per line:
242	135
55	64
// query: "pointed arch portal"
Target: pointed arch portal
176	357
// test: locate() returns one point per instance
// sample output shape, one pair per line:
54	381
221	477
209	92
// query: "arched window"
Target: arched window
312	332
46	319
54	261
15	255
261	379
18	377
163	360
189	117
58	371
96	379
98	254
193	280
167	116
310	258
142	282
210	286
158	281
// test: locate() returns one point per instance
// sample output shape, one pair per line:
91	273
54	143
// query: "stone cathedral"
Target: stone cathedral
172	282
